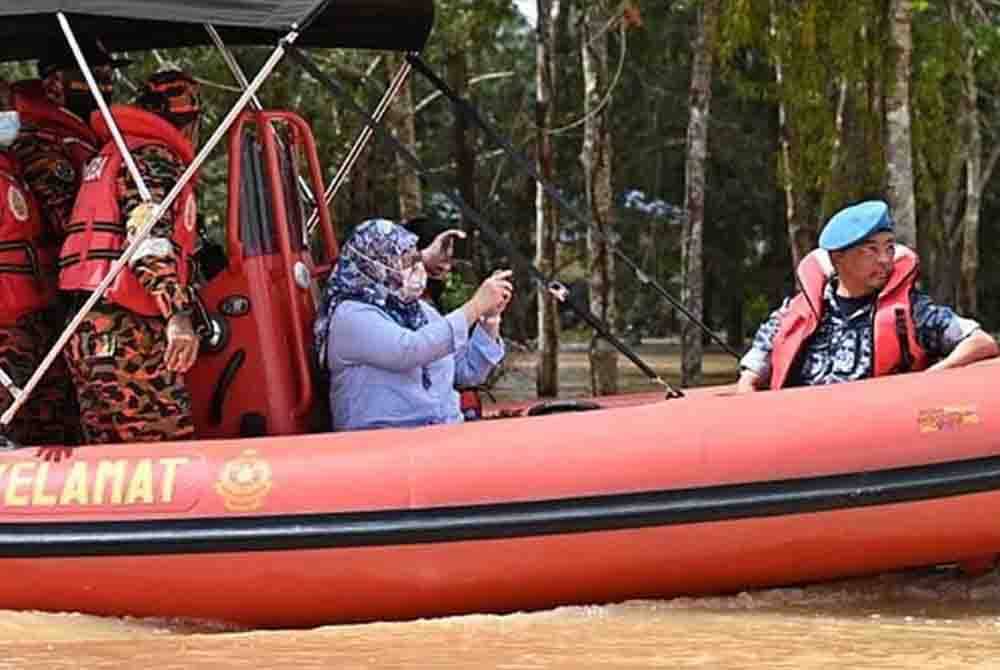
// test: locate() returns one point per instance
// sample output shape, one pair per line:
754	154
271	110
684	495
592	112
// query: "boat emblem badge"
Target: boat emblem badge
17	204
244	482
947	418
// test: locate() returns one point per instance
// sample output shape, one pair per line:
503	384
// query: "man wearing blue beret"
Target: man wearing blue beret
859	314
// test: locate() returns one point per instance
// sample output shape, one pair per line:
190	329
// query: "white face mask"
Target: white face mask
414	278
414	283
10	126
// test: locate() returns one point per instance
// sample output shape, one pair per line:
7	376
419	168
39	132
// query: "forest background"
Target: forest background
704	142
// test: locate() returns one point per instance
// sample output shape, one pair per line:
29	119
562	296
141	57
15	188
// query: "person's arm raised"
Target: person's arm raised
490	298
438	256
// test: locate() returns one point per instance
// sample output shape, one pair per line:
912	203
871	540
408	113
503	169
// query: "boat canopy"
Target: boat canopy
135	25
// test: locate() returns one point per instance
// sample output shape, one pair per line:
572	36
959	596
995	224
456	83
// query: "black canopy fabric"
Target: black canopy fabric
27	26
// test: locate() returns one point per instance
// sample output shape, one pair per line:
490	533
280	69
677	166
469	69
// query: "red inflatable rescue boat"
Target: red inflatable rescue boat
265	521
710	493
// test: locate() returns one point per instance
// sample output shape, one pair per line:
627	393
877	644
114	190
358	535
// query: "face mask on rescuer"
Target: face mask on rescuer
10	126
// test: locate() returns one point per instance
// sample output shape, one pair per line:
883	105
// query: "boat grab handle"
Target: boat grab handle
560	406
225	382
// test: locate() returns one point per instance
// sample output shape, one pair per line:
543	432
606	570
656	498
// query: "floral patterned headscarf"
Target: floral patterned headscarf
363	274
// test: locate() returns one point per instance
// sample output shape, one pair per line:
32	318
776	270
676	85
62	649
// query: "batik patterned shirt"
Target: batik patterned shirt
842	347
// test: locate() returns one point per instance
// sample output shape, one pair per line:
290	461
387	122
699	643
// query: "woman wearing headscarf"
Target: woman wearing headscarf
393	359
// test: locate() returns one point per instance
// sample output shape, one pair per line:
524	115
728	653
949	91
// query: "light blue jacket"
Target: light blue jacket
376	367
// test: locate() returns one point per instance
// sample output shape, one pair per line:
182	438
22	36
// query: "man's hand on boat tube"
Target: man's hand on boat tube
749	381
438	256
182	343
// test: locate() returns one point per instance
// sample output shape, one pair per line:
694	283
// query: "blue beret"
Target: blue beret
854	224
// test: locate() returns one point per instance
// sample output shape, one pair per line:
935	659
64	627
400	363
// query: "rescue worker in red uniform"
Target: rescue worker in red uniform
56	141
859	314
52	148
129	356
27	291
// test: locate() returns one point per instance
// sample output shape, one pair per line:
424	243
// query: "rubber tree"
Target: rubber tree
899	146
596	156
546	214
692	241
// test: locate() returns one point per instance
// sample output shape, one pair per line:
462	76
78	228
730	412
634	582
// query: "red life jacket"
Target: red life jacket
896	348
26	269
97	233
50	123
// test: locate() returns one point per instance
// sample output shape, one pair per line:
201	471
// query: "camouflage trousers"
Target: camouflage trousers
126	393
49	417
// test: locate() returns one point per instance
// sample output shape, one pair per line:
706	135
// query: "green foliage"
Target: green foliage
758	308
820	43
457	291
936	87
463	25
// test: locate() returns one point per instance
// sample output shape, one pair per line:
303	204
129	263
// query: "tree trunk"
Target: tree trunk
596	157
400	120
546	215
465	156
699	104
785	141
899	147
808	125
969	265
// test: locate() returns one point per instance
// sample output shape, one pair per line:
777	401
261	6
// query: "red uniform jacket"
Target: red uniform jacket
27	281
55	124
98	235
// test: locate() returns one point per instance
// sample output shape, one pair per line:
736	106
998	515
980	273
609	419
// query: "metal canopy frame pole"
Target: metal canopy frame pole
232	64
364	137
119	265
102	104
241	79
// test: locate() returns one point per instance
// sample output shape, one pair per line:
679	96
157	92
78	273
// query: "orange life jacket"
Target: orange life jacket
896	348
51	123
26	268
97	234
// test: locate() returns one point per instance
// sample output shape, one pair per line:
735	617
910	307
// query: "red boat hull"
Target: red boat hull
711	493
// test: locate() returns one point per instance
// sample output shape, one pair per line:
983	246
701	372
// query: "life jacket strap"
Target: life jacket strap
32	267
102	254
902	333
